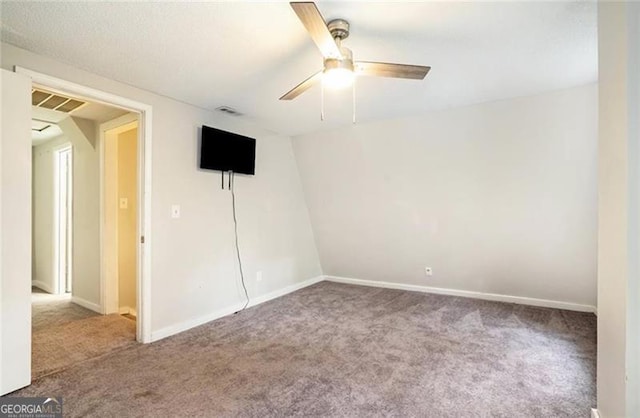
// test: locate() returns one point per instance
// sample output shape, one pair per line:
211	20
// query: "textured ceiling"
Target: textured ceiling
246	55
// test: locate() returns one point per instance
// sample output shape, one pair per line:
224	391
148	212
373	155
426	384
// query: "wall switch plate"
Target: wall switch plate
259	276
428	271
124	203
175	211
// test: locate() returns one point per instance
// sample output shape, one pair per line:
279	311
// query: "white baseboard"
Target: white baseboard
183	326
595	413
285	290
467	294
186	325
42	286
125	310
86	304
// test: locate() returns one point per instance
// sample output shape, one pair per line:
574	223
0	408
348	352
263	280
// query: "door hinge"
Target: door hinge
142	239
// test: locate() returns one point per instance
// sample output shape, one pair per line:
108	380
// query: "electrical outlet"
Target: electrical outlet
175	211
428	271
259	276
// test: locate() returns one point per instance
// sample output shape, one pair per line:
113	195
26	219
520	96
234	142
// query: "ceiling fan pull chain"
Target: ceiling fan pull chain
353	90
322	101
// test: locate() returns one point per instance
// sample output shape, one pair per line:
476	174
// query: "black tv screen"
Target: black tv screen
226	151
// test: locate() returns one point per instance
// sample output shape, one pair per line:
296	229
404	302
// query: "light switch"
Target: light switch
175	211
124	203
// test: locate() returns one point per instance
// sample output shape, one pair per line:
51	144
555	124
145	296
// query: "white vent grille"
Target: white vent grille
228	110
48	100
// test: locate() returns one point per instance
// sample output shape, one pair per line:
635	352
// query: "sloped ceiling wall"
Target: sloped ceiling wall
495	198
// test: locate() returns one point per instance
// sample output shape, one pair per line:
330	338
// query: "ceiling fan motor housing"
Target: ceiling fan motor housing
339	28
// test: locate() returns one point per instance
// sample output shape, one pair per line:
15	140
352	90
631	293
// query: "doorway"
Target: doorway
64	221
66	163
119	140
143	114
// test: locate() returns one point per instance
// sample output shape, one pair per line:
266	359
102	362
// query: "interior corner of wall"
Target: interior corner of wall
79	131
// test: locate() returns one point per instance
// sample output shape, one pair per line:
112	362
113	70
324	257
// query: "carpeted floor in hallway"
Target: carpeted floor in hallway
65	334
340	350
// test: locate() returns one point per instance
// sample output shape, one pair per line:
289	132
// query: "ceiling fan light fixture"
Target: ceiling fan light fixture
338	73
338	78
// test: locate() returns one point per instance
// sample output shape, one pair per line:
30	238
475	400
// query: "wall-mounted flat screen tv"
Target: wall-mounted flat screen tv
226	151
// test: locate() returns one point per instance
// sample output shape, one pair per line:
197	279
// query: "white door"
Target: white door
15	231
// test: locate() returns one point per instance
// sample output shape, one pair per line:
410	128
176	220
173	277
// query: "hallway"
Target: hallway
65	334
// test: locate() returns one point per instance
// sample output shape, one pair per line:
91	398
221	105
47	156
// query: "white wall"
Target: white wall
618	210
194	271
498	197
633	290
196	253
86	211
109	133
43	201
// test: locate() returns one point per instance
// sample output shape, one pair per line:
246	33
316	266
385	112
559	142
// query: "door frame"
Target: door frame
108	286
144	112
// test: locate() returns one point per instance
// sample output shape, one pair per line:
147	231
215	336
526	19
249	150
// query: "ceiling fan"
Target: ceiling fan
339	68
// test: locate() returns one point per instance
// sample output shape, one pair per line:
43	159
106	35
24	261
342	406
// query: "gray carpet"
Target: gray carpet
49	310
65	334
340	350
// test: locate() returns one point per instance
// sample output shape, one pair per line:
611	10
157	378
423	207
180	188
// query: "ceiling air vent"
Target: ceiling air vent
48	100
228	110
